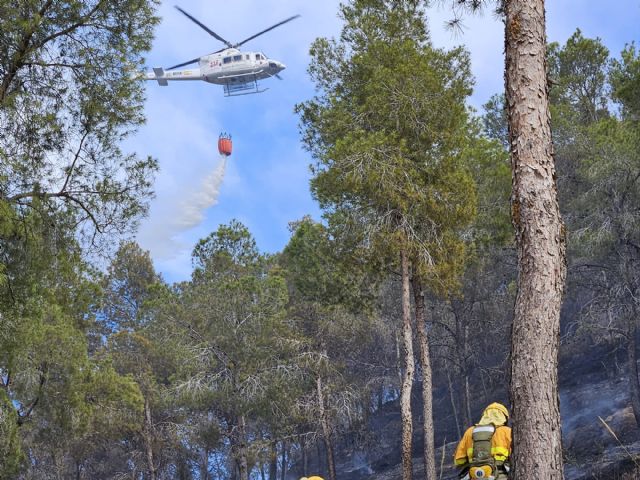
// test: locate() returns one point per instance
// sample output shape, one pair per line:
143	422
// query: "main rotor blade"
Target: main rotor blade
185	63
205	28
264	31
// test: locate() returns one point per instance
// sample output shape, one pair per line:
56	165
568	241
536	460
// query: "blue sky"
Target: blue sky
266	182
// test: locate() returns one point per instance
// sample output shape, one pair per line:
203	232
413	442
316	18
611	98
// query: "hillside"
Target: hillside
592	393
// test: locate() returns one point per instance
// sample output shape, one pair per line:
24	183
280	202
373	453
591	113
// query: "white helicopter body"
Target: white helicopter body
238	72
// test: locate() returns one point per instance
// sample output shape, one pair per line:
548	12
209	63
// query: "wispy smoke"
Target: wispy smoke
186	213
192	210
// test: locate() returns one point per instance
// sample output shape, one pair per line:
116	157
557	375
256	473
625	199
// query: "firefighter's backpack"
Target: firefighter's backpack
483	465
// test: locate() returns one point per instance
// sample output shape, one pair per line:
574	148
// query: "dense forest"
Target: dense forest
398	303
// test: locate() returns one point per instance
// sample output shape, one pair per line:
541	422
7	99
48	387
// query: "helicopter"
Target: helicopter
238	72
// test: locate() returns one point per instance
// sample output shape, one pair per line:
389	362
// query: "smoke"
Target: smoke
183	215
193	206
361	463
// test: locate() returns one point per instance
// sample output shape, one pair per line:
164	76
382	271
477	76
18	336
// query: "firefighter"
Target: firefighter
485	448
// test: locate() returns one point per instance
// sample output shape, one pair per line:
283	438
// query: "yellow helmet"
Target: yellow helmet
315	477
498	406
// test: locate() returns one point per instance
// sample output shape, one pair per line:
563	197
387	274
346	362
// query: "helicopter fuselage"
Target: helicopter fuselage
238	72
223	68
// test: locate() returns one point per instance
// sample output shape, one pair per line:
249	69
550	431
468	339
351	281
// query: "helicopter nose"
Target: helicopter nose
277	66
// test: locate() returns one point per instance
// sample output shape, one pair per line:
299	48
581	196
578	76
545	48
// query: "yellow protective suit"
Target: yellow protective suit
497	415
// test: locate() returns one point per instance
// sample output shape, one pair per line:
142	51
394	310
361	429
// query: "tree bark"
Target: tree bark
462	351
283	463
540	240
204	466
407	382
305	455
452	399
326	431
242	450
273	460
399	360
467	400
148	439
429	452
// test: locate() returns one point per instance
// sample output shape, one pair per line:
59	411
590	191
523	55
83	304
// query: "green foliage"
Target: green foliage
57	391
10	447
597	151
320	273
610	172
229	247
127	286
625	81
597	154
578	74
494	119
390	136
491	170
67	100
235	345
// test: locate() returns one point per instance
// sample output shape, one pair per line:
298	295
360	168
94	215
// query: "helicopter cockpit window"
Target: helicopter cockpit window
237	58
257	56
226	60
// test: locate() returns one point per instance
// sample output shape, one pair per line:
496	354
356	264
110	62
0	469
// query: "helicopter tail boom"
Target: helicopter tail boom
162	77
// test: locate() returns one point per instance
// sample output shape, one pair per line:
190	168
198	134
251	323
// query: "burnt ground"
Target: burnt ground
593	392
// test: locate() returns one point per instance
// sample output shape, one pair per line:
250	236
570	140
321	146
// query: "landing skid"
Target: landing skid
234	87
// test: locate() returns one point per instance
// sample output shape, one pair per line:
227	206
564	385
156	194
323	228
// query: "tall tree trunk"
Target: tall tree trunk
321	458
326	431
399	360
465	373
204	465
240	448
407	382
148	439
184	469
462	351
540	239
283	463
273	460
305	455
452	399
466	396
427	399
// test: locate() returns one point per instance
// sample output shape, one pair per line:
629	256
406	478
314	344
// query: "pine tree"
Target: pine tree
389	135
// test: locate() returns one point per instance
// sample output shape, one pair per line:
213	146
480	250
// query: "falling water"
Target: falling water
179	216
194	206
